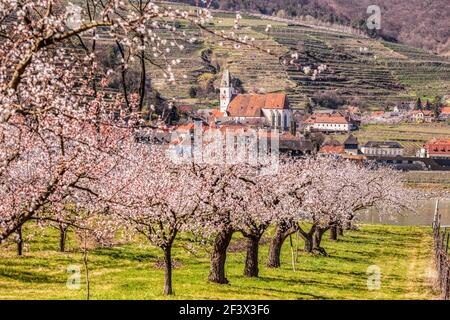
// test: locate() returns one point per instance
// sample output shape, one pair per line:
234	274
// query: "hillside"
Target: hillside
384	74
423	24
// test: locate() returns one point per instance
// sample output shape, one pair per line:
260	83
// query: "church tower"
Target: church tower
226	91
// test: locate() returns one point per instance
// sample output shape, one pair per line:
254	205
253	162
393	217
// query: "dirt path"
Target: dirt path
420	275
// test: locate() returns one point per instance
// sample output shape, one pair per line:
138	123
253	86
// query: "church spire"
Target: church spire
226	91
226	79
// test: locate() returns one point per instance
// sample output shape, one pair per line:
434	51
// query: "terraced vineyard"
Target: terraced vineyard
254	68
423	74
350	73
382	74
376	73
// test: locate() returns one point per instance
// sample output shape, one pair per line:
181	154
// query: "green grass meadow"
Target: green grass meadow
132	271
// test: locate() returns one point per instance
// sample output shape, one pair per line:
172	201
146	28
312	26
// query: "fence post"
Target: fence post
436	209
447	265
447	283
446	245
441	246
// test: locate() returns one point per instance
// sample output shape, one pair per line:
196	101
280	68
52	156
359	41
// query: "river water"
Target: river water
423	217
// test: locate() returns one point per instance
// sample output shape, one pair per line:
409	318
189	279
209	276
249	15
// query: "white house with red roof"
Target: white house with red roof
328	122
422	116
437	148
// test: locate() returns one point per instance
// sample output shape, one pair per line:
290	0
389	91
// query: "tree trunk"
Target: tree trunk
308	247
281	233
333	232
86	268
273	260
168	270
124	77
19	241
317	239
307	238
251	259
62	238
218	257
348	225
340	230
142	81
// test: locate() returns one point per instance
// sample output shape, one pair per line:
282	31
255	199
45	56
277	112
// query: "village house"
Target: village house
377	114
402	107
329	122
270	109
183	144
332	147
351	145
421	116
445	114
436	148
388	148
404	163
354	110
294	145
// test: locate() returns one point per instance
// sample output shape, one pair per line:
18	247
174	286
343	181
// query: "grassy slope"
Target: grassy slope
128	272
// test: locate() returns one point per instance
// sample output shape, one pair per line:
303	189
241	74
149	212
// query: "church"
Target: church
271	110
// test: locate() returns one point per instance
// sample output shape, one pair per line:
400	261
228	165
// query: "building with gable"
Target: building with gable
382	148
437	148
271	110
329	122
351	145
420	116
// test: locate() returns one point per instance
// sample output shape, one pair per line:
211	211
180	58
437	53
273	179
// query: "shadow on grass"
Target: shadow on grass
358	274
386	233
313	283
28	276
124	254
296	293
382	243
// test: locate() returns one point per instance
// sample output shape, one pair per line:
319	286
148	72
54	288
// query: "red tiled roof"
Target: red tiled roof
217	113
190	127
326	118
445	110
185	127
288	136
244	130
332	149
425	112
250	105
438	146
233	128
